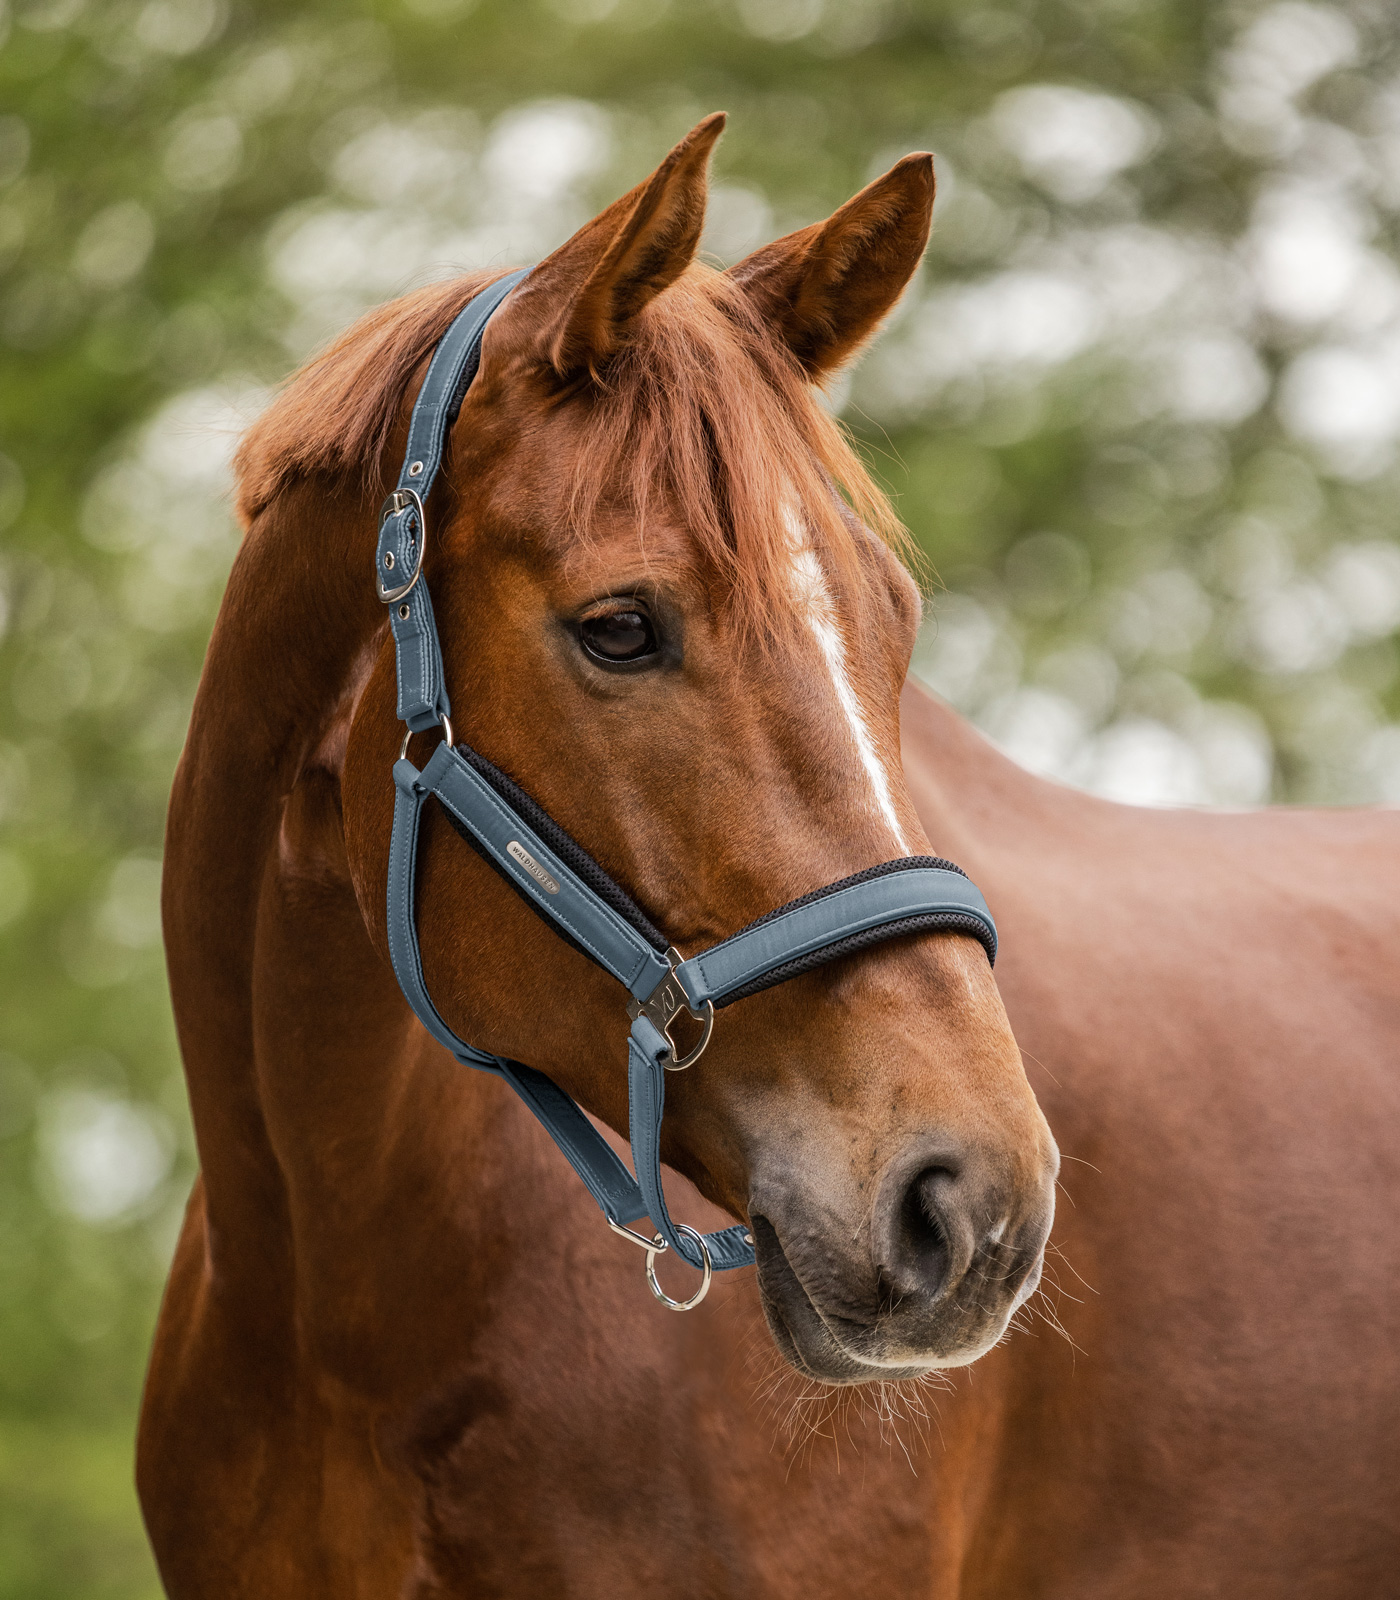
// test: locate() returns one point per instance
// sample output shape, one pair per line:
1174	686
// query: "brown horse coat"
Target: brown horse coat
400	1354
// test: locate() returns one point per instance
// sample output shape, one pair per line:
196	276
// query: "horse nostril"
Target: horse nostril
921	1254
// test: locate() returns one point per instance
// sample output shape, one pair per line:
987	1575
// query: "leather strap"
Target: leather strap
423	700
590	1155
535	872
831	919
404	954
646	1101
448	378
403	532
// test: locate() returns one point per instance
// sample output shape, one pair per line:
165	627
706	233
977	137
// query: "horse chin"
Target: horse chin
821	1356
841	1351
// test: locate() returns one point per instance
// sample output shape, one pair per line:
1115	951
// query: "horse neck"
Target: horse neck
295	1038
981	809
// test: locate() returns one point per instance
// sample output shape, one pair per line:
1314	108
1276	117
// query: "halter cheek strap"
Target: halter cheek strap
562	883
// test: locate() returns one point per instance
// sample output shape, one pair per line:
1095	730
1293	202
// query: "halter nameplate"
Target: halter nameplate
575	895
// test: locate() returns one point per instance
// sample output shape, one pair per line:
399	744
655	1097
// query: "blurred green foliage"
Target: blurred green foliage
1140	411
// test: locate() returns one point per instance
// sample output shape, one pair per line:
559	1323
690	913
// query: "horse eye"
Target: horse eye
619	636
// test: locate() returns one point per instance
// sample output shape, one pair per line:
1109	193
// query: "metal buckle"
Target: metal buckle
401	500
707	1269
661	1007
655	1246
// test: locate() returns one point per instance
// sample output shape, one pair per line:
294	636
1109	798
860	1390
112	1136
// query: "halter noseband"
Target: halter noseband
564	885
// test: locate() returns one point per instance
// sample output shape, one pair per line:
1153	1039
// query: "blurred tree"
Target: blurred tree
1140	410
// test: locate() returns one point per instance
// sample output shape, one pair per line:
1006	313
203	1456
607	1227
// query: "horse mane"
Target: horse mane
703	406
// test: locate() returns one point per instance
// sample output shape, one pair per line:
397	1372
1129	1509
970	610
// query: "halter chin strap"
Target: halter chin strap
565	886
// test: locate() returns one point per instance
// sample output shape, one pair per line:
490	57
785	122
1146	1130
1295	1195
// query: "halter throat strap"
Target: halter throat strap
563	884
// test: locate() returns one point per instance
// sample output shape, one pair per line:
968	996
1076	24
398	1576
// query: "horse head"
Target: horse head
661	619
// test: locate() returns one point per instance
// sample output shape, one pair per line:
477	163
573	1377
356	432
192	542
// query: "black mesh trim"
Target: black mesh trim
464	382
571	853
614	895
473	362
923	922
882	871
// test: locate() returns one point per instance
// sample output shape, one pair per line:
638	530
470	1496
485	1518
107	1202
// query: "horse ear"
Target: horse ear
595	285
827	288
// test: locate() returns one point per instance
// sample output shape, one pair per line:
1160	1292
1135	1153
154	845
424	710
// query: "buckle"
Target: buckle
399	501
664	1004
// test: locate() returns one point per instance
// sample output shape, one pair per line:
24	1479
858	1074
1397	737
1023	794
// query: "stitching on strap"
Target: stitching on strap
734	945
554	912
867	938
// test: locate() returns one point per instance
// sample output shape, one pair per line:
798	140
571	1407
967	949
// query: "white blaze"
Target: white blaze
812	597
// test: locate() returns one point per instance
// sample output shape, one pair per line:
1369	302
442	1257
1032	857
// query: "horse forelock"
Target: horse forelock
703	410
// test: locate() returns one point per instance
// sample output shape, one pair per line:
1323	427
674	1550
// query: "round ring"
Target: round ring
700	1293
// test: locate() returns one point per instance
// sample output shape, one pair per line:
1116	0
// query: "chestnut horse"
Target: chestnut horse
400	1354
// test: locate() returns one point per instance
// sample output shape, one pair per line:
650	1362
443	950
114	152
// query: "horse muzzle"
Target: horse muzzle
946	1257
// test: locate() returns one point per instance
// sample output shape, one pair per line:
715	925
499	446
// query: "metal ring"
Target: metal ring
408	734
700	1293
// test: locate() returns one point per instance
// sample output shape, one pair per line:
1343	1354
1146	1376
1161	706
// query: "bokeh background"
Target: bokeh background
1140	410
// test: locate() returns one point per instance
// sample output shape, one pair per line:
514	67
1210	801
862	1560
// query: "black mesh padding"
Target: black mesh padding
464	382
572	854
882	871
924	922
612	894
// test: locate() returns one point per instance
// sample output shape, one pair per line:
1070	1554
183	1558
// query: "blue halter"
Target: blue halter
561	882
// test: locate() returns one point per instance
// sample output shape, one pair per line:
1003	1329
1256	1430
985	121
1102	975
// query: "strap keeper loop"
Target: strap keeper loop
407	777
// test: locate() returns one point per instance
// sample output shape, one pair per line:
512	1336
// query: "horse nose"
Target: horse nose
935	1211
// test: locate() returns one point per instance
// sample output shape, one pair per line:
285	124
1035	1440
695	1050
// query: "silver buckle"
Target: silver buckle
656	1245
401	500
664	1004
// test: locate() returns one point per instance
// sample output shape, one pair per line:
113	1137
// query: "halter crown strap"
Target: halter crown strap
403	530
565	886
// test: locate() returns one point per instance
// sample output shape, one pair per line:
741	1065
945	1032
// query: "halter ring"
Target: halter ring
408	734
661	1007
707	1269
